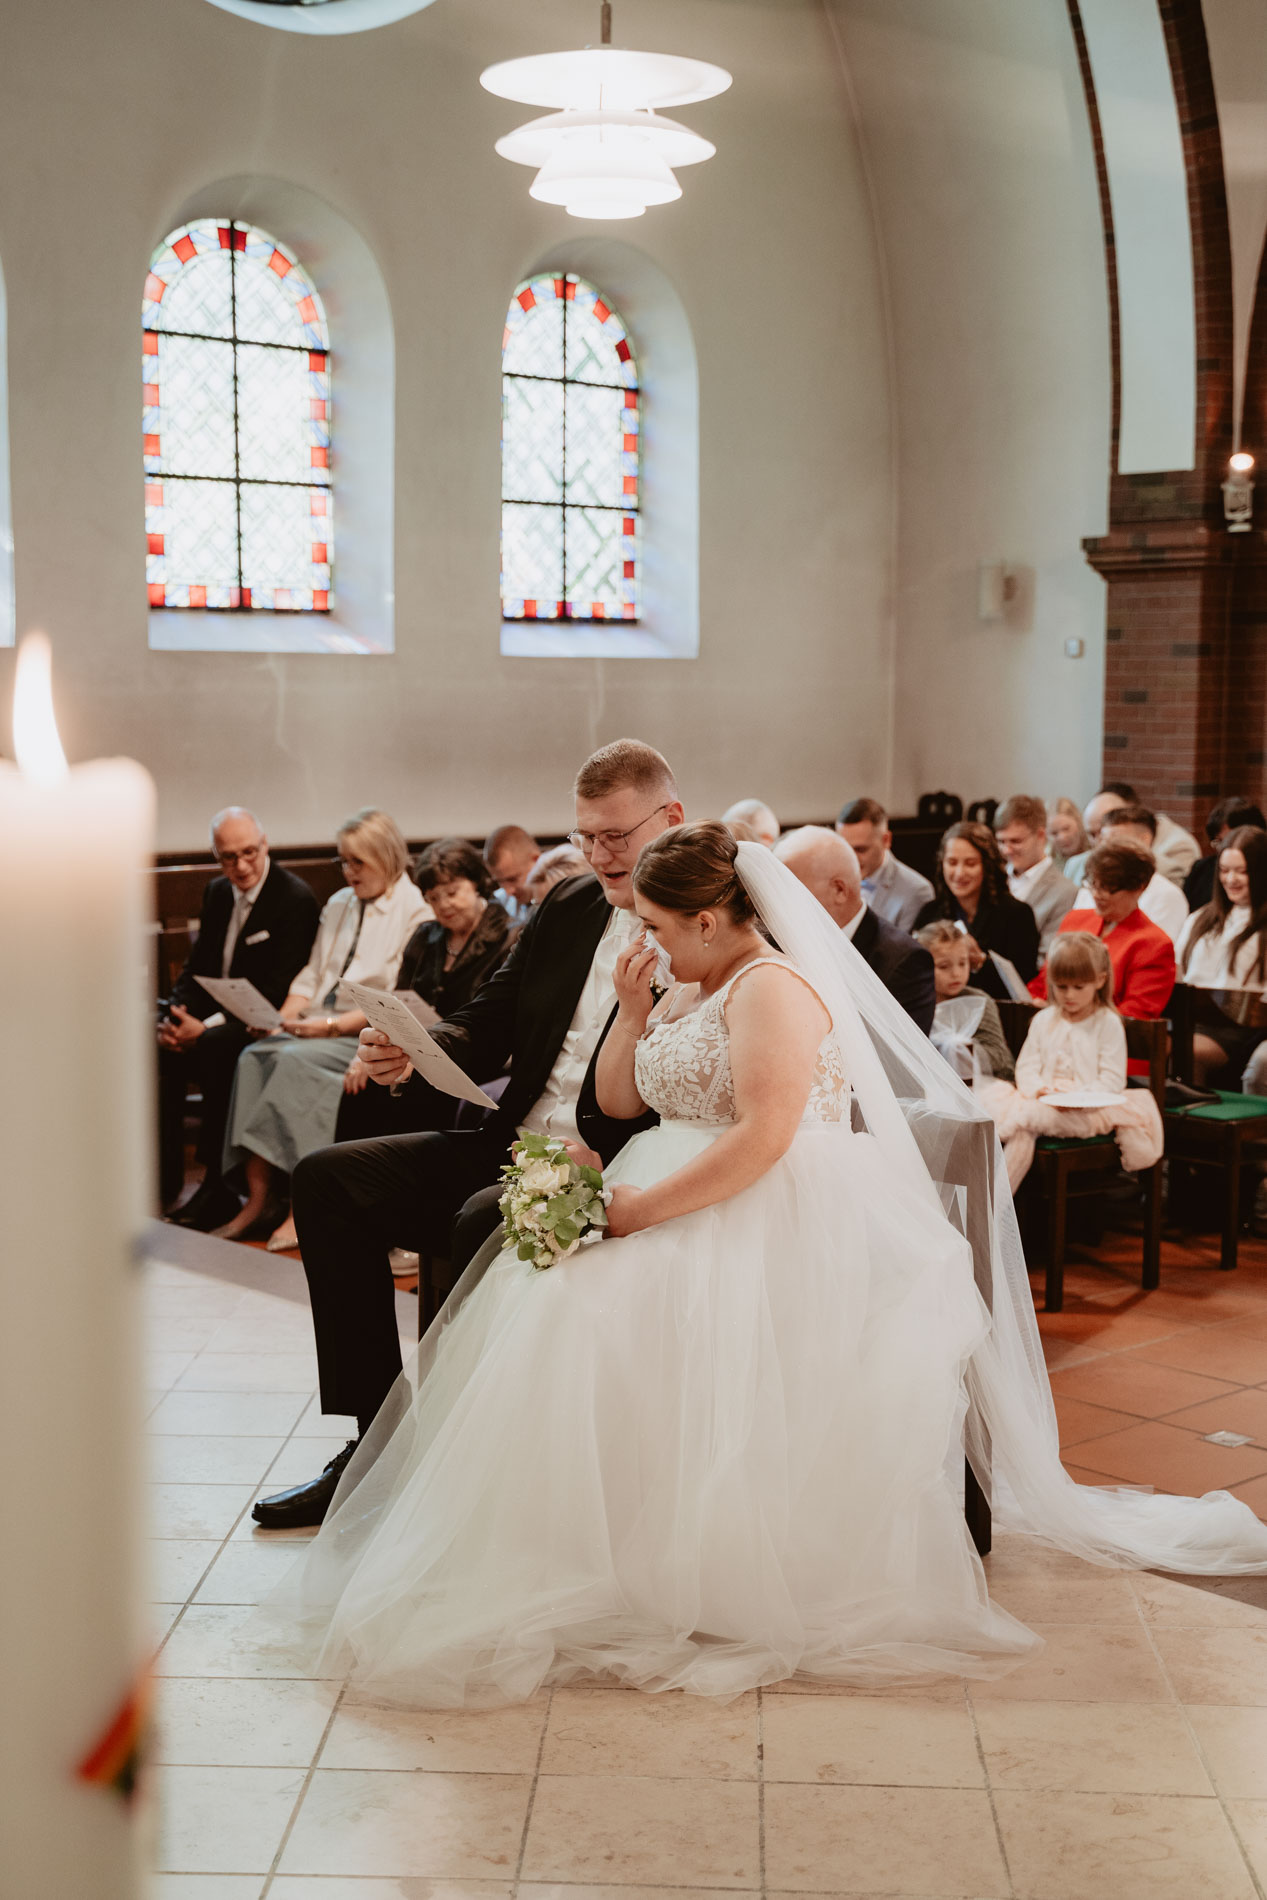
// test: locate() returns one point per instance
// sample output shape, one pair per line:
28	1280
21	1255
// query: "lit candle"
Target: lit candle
74	1178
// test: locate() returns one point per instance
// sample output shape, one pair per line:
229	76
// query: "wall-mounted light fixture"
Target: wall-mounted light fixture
1238	493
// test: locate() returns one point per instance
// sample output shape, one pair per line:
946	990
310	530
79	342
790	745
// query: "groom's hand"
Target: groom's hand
384	1062
584	1157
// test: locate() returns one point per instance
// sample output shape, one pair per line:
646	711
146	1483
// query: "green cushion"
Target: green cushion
1075	1141
1228	1108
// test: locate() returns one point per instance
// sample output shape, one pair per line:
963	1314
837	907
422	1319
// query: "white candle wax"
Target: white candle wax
75	1140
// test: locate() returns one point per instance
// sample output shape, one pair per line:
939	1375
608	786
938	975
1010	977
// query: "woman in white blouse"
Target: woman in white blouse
287	1087
1223	947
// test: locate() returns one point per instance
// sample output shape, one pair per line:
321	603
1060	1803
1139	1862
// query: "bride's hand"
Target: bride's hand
623	1216
633	983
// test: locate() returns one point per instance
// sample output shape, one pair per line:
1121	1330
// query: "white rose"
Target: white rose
541	1177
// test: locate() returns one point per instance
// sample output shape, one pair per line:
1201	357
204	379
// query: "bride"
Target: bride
725	1445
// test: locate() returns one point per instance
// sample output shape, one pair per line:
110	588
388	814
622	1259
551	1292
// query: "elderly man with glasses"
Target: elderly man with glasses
258	921
542	1016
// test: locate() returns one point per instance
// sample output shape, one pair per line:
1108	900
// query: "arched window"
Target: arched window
236	369
569	456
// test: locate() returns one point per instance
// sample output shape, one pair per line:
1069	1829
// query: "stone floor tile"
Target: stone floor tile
1220	1665
608	1732
1079	1421
1103	1596
197	1510
1201	1602
869	1739
1130	1847
241	1722
1244	1411
860	1840
253	1414
175	1564
349	1887
1099	1747
1234	1742
1217	1352
246	1571
205	1887
250	1372
1171	1459
223	1820
1083	1663
408	1825
1125	1382
221	1640
186	1459
640	1831
488	1741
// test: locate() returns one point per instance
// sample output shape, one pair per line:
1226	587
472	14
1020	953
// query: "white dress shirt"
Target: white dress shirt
243	904
1211	965
1162	901
1021	883
388	924
554	1111
896	892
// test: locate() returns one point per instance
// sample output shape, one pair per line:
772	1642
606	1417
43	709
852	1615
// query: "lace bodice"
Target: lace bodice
682	1067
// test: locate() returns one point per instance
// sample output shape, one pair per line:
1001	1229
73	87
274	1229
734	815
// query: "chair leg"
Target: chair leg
1057	1218
1231	1208
1152	1228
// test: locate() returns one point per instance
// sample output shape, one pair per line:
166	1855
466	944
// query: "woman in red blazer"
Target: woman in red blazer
1142	955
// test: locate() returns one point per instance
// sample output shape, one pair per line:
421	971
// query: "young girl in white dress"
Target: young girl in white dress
726	1445
1077	1044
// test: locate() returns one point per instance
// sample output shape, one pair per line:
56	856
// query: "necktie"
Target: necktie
240	908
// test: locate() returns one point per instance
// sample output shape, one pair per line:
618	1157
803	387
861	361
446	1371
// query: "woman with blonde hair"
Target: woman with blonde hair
288	1086
1066	834
1076	1047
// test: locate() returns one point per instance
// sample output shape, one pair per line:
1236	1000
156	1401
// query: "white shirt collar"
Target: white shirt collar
850	929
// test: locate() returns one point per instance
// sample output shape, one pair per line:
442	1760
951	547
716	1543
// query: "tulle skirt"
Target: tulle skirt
704	1457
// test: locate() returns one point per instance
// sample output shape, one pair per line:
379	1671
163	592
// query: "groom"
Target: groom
543	1015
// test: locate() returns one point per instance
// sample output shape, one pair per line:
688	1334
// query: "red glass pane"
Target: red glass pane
149	395
627	524
526	299
149	343
530	610
185	248
155	544
321	459
307	310
600	310
569	289
321	599
317	409
317	503
244	596
630	443
631	399
316	359
629	570
597	610
154	494
224	237
623	350
157	593
197	596
320	553
630	485
151	445
279	263
154	288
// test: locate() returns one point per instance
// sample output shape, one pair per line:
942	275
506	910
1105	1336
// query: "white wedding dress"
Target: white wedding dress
729	1448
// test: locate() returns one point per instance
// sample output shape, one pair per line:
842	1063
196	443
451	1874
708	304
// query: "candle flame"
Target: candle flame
35	741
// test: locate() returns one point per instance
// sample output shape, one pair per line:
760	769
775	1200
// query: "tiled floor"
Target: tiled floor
1127	1762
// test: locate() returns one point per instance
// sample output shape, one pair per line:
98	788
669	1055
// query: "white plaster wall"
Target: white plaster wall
113	116
1236	32
979	153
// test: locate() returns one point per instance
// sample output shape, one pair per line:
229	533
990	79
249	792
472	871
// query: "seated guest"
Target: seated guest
971	1039
1175	850
510	853
1228	815
560	861
828	867
892	889
445	962
1223	947
287	1088
1066	834
972	891
751	811
1135	824
257	922
1142	955
1020	825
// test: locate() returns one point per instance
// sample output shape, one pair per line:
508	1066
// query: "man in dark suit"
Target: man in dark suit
543	1016
828	866
258	921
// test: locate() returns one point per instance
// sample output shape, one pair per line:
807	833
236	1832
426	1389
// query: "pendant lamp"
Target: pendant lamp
605	150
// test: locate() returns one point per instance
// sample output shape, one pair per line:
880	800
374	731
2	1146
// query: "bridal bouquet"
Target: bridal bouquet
549	1201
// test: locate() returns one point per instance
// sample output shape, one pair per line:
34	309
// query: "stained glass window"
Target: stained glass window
570	417
236	372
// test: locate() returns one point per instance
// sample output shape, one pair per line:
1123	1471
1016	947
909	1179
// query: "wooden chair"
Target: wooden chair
939	808
1224	1136
1067	1166
982	811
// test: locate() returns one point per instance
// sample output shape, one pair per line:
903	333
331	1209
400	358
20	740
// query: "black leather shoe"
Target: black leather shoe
306	1503
209	1206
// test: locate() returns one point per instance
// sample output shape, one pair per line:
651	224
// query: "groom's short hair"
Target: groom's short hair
625	764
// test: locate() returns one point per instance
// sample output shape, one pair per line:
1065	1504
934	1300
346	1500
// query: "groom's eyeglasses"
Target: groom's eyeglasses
610	840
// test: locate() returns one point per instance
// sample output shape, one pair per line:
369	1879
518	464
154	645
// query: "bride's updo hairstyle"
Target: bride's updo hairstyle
692	868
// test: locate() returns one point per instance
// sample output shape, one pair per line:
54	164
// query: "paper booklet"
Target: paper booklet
391	1014
419	1006
243	1000
1013	982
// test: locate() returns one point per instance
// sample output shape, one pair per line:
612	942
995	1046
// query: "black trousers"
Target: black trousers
435	1192
211	1061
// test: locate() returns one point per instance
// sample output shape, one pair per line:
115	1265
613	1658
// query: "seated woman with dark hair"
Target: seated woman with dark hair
1223	948
444	962
1142	955
972	891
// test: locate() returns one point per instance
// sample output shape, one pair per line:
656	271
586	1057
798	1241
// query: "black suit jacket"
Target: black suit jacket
272	947
903	966
519	1019
1010	927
